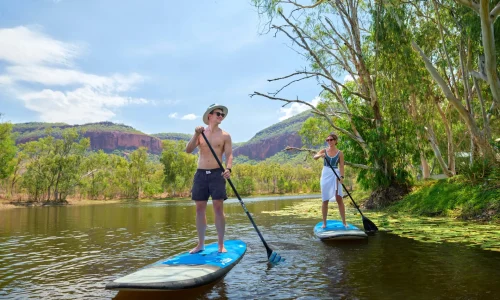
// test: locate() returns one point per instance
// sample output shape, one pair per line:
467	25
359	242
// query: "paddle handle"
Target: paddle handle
268	249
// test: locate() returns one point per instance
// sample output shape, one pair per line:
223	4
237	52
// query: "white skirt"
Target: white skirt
330	186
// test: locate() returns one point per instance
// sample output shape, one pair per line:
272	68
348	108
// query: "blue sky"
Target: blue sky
155	65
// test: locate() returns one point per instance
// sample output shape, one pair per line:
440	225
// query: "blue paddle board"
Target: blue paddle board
184	270
335	230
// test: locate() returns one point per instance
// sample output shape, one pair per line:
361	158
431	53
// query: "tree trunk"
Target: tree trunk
488	39
449	139
432	140
479	138
426	172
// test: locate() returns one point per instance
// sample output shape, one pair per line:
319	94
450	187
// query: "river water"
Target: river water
72	252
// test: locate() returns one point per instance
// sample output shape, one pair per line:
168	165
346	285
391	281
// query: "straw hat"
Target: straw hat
212	108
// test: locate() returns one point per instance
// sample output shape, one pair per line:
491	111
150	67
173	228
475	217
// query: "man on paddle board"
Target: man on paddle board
330	187
210	179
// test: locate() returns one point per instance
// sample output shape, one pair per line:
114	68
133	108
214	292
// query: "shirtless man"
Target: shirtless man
209	179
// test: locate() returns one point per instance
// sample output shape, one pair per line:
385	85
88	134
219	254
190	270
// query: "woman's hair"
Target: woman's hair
333	136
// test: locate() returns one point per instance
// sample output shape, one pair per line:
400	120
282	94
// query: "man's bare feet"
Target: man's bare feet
197	249
222	249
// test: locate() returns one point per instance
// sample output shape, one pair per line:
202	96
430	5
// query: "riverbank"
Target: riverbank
454	197
10	204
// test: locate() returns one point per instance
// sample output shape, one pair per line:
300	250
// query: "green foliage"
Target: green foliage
178	166
52	165
479	170
96	170
7	150
243	159
173	136
454	196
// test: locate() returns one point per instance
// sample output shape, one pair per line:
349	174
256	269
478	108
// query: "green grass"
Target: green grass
450	197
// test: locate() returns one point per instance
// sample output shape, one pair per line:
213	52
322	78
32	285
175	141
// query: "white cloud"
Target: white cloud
296	108
23	46
188	117
78	106
67	94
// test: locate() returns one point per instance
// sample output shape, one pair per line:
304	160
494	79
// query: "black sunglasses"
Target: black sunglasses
218	114
330	140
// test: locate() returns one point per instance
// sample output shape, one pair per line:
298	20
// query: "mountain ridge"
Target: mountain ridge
110	136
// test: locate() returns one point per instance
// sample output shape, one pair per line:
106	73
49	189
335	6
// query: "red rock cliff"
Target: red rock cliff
112	140
109	141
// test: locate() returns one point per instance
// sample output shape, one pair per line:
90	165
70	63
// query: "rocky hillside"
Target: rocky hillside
103	135
110	137
273	139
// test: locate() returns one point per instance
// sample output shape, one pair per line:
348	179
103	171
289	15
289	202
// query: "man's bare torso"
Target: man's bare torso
218	141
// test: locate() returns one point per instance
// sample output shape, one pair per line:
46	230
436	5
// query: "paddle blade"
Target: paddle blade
369	225
275	258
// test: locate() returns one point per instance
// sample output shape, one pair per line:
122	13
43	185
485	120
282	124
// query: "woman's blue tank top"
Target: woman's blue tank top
334	161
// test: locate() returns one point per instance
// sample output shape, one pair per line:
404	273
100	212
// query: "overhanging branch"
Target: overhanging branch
312	151
470	3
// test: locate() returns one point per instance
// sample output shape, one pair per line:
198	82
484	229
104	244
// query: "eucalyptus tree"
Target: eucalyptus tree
466	51
96	172
178	166
7	150
337	38
53	165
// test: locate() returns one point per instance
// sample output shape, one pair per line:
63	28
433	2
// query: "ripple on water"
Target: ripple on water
79	260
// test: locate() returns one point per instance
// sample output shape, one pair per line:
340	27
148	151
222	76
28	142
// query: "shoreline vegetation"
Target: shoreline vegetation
435	211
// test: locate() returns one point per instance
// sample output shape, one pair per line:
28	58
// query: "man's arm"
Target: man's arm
228	152
195	140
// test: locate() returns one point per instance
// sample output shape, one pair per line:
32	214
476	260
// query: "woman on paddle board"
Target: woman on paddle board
331	190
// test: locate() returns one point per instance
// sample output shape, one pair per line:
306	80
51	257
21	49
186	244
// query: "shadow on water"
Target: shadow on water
215	289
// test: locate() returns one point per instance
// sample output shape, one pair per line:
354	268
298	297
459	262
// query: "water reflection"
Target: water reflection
216	290
72	252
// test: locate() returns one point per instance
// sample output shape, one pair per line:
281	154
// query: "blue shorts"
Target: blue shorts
208	183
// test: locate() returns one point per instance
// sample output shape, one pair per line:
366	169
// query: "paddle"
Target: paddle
272	256
367	224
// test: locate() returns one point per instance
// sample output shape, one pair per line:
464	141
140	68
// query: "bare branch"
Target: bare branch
486	121
306	46
299	73
469	3
495	12
437	77
300	6
479	75
288	84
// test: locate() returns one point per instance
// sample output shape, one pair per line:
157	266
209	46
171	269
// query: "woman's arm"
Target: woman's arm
321	153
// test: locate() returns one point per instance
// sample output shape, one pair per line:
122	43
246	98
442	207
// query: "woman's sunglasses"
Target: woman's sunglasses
219	114
328	140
